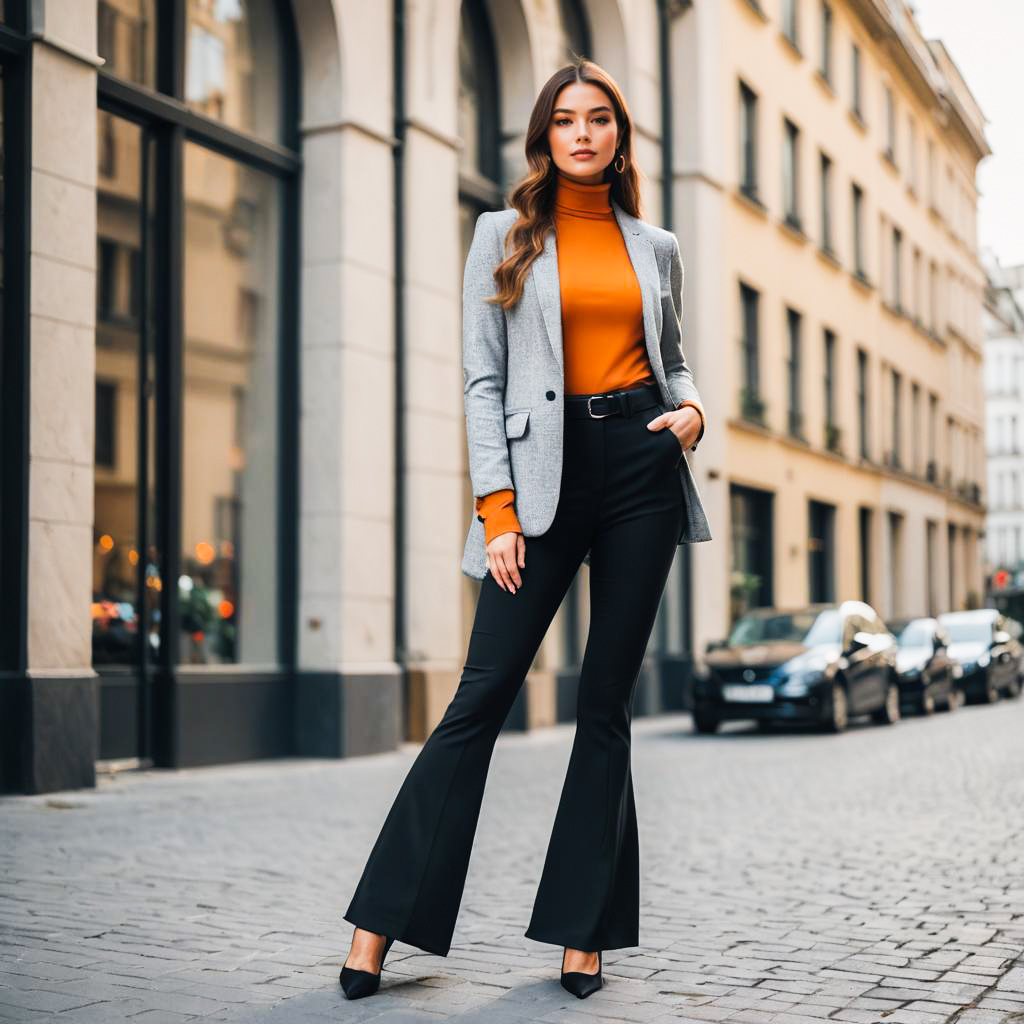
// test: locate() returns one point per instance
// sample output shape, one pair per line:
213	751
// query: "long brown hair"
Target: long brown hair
534	196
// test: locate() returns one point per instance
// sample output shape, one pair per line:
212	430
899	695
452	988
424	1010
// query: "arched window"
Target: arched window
575	30
479	116
196	353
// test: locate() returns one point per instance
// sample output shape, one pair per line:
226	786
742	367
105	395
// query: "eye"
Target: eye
561	121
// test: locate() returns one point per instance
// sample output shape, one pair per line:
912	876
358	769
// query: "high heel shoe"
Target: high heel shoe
358	983
579	983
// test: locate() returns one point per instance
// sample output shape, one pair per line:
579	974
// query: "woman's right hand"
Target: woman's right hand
506	555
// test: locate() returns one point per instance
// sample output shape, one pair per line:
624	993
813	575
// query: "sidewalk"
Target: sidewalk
876	876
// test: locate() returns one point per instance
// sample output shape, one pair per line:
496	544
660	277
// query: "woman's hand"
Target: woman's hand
684	423
506	555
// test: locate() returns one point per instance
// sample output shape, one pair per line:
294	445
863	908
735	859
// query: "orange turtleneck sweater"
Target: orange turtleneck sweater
603	342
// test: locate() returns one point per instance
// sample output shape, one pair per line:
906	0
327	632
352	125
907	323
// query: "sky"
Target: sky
985	38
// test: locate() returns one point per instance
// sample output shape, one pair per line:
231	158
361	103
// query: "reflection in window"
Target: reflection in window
228	583
126	39
117	542
233	64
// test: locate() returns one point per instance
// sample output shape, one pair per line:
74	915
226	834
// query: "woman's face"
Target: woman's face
583	119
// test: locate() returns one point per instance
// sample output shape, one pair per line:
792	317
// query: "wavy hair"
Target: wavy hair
534	196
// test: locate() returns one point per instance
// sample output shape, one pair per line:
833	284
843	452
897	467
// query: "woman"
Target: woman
579	405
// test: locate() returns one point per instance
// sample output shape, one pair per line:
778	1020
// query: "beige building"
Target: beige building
827	186
235	489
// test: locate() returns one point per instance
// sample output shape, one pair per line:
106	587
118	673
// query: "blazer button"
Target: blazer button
481	518
550	396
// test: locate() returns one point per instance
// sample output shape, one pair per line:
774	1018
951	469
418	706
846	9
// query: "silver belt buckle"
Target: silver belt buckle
599	415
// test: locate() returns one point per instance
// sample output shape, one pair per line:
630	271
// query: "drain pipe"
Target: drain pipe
398	55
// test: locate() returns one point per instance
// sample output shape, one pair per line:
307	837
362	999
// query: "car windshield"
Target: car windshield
793	627
916	634
968	630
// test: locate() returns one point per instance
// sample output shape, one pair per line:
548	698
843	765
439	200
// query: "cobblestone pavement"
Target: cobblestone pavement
875	876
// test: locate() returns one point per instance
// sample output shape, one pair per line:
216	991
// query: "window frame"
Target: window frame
15	58
166	118
749	185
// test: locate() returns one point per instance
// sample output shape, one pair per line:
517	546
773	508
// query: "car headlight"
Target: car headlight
984	659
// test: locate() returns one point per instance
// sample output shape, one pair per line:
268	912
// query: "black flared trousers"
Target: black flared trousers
622	499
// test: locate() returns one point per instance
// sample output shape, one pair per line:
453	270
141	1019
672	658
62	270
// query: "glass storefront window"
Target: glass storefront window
233	64
126	39
228	583
121	420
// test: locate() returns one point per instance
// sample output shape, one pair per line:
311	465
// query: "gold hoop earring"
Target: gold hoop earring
616	164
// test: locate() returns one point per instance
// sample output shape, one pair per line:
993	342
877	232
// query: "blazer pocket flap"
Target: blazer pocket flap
515	423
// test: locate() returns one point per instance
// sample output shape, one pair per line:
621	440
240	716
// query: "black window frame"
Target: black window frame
825	184
794	359
896	450
790	26
791	189
166	118
751	405
890	125
748	142
856	82
829	343
896	279
15	58
857	239
827	38
863	383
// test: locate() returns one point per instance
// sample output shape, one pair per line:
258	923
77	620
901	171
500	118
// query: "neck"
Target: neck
576	199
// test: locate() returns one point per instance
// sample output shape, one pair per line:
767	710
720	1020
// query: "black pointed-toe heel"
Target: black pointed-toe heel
358	983
579	983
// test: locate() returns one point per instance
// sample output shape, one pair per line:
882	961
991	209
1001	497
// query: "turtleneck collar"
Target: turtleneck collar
578	200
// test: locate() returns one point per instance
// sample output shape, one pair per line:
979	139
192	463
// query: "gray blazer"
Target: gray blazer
513	373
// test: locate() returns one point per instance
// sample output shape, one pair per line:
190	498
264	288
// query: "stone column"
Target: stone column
61	726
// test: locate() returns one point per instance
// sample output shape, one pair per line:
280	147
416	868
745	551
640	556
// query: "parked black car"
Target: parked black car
821	664
987	646
928	676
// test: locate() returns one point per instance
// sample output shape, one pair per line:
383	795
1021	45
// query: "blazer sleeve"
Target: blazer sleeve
677	372
484	363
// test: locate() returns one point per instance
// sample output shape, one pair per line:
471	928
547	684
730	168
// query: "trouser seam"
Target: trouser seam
433	841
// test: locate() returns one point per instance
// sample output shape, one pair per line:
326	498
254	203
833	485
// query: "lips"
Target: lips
583	152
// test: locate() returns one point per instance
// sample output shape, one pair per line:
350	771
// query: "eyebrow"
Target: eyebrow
567	110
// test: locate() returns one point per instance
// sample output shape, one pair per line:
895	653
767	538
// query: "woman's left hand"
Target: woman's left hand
684	423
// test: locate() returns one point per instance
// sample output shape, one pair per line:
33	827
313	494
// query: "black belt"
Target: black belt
612	403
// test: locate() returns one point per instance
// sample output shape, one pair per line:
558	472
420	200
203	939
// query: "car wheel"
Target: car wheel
926	706
764	725
839	715
705	723
889	712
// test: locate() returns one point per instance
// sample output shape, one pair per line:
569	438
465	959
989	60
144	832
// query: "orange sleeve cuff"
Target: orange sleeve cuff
497	510
700	412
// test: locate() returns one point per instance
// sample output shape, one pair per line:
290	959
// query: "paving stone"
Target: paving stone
786	880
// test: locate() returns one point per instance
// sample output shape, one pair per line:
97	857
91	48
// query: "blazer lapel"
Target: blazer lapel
544	271
645	265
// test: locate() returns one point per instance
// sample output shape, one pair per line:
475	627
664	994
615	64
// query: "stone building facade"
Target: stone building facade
234	487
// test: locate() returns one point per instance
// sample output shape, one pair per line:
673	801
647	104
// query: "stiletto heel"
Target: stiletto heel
357	983
579	983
